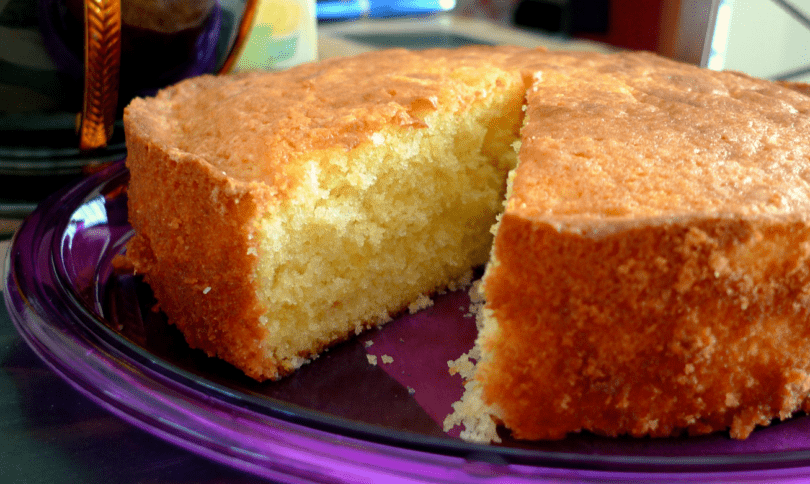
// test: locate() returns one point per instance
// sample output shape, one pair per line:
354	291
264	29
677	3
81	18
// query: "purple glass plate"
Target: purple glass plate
340	418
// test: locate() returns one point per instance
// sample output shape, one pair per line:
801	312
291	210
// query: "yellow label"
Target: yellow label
283	16
282	35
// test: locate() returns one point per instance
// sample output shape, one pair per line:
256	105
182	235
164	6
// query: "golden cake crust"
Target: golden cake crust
645	136
254	126
175	227
647	331
650	271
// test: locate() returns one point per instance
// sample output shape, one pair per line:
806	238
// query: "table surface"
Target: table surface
53	433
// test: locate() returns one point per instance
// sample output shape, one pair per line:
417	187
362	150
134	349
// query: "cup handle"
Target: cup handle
248	14
102	64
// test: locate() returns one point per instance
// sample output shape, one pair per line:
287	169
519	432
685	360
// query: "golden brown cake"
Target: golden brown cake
276	214
649	274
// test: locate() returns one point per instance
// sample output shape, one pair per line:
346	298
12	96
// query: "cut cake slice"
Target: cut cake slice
276	214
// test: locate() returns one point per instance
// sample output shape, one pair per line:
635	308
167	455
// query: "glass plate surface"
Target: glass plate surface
339	418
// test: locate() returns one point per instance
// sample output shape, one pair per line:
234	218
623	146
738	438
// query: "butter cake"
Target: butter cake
648	276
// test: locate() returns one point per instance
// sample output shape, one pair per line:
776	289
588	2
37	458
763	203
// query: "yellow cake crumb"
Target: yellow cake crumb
422	302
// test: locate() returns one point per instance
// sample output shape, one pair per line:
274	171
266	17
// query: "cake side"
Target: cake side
193	245
686	324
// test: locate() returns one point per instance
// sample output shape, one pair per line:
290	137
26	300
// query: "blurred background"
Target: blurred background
764	38
41	53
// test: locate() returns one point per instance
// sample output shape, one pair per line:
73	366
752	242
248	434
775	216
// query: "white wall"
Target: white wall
764	40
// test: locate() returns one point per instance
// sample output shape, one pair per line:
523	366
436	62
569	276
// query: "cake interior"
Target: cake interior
373	229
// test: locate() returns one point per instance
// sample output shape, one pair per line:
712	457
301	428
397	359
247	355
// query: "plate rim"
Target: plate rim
453	453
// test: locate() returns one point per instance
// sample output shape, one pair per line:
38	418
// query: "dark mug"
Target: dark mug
69	67
120	49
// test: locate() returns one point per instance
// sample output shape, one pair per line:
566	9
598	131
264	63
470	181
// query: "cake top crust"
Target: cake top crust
635	136
253	126
609	136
